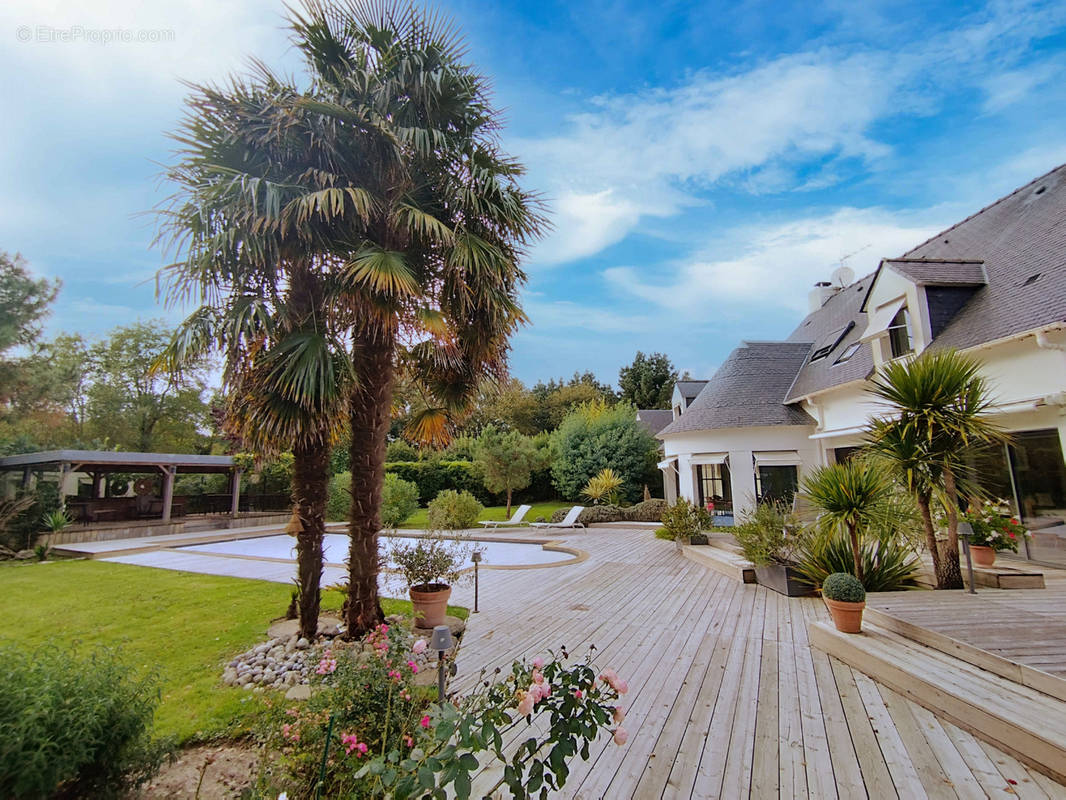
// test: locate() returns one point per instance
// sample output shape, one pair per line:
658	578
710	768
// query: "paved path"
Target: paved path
727	699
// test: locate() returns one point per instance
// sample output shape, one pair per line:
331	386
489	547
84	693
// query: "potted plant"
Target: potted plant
993	529
682	521
845	597
769	538
429	566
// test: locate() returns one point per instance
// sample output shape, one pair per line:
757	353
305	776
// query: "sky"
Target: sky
703	164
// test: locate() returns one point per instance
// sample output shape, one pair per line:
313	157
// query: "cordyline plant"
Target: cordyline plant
368	731
338	234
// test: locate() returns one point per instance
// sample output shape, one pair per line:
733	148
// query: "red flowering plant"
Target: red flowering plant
994	526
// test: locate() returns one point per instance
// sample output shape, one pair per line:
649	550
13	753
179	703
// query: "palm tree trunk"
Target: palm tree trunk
856	558
508	502
930	534
950	575
369	416
310	486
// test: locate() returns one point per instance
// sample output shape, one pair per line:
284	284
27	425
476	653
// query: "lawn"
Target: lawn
180	626
418	519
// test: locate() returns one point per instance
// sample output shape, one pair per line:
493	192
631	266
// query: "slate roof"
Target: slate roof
747	389
690	389
836	313
1013	252
654	419
940	272
1018	237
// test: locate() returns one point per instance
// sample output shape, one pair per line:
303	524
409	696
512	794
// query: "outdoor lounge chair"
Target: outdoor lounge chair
519	515
570	521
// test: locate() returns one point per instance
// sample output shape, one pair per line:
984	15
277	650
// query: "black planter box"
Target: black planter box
783	579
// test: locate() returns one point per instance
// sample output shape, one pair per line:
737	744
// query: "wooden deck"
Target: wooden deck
727	698
1024	626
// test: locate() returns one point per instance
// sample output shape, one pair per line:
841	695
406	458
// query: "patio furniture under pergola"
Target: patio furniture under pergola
99	463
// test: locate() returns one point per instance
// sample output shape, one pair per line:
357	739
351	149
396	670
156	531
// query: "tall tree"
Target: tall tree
507	459
649	381
938	415
434	222
24	302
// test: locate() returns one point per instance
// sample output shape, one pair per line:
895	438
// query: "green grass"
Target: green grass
180	626
418	520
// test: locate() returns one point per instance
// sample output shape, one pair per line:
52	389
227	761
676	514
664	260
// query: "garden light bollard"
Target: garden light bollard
965	532
440	641
476	558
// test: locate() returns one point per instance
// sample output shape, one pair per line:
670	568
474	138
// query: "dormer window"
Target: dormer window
849	351
899	334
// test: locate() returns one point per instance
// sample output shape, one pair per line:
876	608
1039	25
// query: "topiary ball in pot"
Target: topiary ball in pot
845	597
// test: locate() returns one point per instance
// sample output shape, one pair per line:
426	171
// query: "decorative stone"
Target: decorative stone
302	644
300	692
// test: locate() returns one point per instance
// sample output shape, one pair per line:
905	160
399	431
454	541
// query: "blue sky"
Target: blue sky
704	163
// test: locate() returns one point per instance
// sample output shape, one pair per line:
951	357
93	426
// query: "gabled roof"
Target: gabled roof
116	461
1021	239
690	389
747	390
939	271
654	419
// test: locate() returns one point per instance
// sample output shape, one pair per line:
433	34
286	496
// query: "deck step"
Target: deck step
730	564
1001	576
1011	670
1028	724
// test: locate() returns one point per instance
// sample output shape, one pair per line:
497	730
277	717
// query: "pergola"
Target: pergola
99	463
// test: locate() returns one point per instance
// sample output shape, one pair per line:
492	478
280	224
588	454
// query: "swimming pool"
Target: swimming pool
335	547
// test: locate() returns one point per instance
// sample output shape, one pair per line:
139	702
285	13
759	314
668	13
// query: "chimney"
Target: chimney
817	296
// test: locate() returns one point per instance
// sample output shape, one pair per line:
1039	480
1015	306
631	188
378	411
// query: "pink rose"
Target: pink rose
525	704
413	666
621	686
538	676
619	714
578	694
620	735
425	721
538	662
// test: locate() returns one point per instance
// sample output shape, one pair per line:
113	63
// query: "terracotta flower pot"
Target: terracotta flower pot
846	616
431	603
983	556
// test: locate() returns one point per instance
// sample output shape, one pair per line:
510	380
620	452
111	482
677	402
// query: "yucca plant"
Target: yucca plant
938	405
849	496
887	565
604	486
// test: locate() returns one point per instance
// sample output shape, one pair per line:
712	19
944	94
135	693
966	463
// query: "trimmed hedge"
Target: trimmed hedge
434	477
648	511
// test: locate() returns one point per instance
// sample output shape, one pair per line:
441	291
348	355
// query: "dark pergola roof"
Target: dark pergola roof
104	461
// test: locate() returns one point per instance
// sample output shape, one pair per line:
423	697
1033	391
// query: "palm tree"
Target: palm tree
849	496
937	406
244	221
432	223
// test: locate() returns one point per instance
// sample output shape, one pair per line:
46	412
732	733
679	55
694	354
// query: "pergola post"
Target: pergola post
168	490
64	471
235	499
98	485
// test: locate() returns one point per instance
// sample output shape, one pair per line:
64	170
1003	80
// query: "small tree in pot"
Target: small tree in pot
770	537
682	521
846	599
429	567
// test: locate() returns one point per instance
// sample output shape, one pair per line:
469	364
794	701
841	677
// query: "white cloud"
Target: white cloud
758	269
762	129
566	314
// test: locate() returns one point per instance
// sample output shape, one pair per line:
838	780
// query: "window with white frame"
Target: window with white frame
899	334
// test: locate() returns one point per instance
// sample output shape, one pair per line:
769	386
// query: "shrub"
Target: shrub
682	520
339	502
399	500
843	587
593	514
433	477
452	510
385	740
595	436
74	721
769	534
647	511
887	566
400	450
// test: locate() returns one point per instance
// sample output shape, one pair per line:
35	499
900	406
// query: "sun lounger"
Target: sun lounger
570	521
519	515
